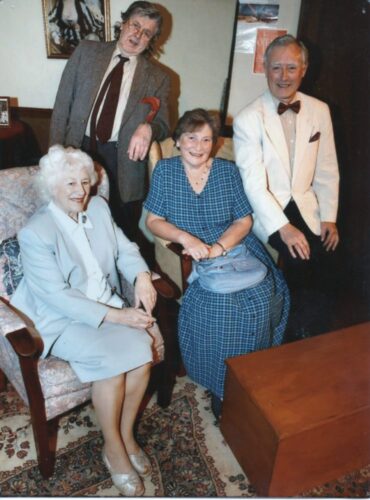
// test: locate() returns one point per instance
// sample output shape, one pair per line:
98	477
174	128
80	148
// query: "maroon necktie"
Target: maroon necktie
103	128
294	106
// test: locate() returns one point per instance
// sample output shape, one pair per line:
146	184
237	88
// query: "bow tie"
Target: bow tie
294	106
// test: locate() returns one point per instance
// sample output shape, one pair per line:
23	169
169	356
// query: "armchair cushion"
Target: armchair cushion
17	205
11	270
60	386
9	362
224	148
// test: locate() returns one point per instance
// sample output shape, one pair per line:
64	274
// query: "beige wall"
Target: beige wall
246	85
197	51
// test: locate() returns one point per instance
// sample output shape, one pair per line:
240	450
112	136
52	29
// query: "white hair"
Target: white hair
284	41
60	162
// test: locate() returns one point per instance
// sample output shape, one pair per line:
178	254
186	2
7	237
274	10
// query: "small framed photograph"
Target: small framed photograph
67	22
263	39
4	112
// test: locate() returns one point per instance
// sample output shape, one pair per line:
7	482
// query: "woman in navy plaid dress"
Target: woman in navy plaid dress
200	202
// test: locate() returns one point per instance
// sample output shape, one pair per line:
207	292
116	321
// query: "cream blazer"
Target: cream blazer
261	154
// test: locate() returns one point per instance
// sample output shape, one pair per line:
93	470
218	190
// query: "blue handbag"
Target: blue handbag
229	273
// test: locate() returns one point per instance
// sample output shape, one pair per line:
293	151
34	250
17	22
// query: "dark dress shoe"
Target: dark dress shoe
216	406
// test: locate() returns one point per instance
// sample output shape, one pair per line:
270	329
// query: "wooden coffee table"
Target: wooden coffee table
298	415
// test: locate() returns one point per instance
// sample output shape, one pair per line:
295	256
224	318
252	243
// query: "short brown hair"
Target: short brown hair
195	119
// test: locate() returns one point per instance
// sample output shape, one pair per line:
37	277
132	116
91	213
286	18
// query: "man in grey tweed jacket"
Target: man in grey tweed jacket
124	155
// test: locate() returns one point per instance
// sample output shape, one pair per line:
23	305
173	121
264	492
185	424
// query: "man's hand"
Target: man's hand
140	142
329	235
296	241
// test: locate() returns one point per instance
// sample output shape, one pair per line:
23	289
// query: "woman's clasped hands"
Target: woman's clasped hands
130	316
194	247
197	249
137	317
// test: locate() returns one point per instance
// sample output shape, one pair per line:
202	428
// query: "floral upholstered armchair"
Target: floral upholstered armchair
48	386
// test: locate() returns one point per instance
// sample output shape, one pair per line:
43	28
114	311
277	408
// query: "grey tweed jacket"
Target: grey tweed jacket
76	95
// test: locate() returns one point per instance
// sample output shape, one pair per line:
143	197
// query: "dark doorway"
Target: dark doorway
337	35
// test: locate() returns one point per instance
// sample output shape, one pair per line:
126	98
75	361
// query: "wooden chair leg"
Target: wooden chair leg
45	432
28	348
168	368
3	381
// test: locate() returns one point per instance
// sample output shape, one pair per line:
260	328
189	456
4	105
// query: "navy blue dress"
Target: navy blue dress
214	326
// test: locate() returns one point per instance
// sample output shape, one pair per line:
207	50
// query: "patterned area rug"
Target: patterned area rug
187	451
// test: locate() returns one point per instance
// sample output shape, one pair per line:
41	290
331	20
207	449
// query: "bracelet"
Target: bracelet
224	251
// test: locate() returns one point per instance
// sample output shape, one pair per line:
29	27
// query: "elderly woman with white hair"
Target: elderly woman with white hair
72	252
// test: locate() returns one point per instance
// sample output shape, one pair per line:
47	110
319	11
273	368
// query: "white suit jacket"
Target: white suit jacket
261	153
51	292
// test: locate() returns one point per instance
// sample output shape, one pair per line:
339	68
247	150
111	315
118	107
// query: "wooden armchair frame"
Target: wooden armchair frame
27	344
185	263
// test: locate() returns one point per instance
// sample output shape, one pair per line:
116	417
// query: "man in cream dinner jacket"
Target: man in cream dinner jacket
284	148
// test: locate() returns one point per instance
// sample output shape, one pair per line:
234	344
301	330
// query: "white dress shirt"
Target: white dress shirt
288	121
128	76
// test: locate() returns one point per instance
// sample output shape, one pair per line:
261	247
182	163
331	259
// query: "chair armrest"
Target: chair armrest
164	243
165	287
185	261
177	249
10	321
23	337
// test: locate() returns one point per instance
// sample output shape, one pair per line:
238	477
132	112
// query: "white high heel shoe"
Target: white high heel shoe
141	463
130	485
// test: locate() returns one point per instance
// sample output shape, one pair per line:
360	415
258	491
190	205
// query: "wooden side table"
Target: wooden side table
298	415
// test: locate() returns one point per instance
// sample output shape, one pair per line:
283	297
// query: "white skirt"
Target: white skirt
104	352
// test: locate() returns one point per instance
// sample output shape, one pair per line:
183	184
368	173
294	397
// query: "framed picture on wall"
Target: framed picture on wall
263	39
4	112
67	22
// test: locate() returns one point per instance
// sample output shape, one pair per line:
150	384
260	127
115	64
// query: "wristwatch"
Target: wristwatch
224	251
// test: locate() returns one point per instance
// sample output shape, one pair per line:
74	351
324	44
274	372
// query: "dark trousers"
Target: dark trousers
125	215
311	282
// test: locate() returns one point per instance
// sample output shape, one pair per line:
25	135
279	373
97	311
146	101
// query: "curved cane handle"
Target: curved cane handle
154	104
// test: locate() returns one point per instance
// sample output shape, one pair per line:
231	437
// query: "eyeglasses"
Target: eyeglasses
135	27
